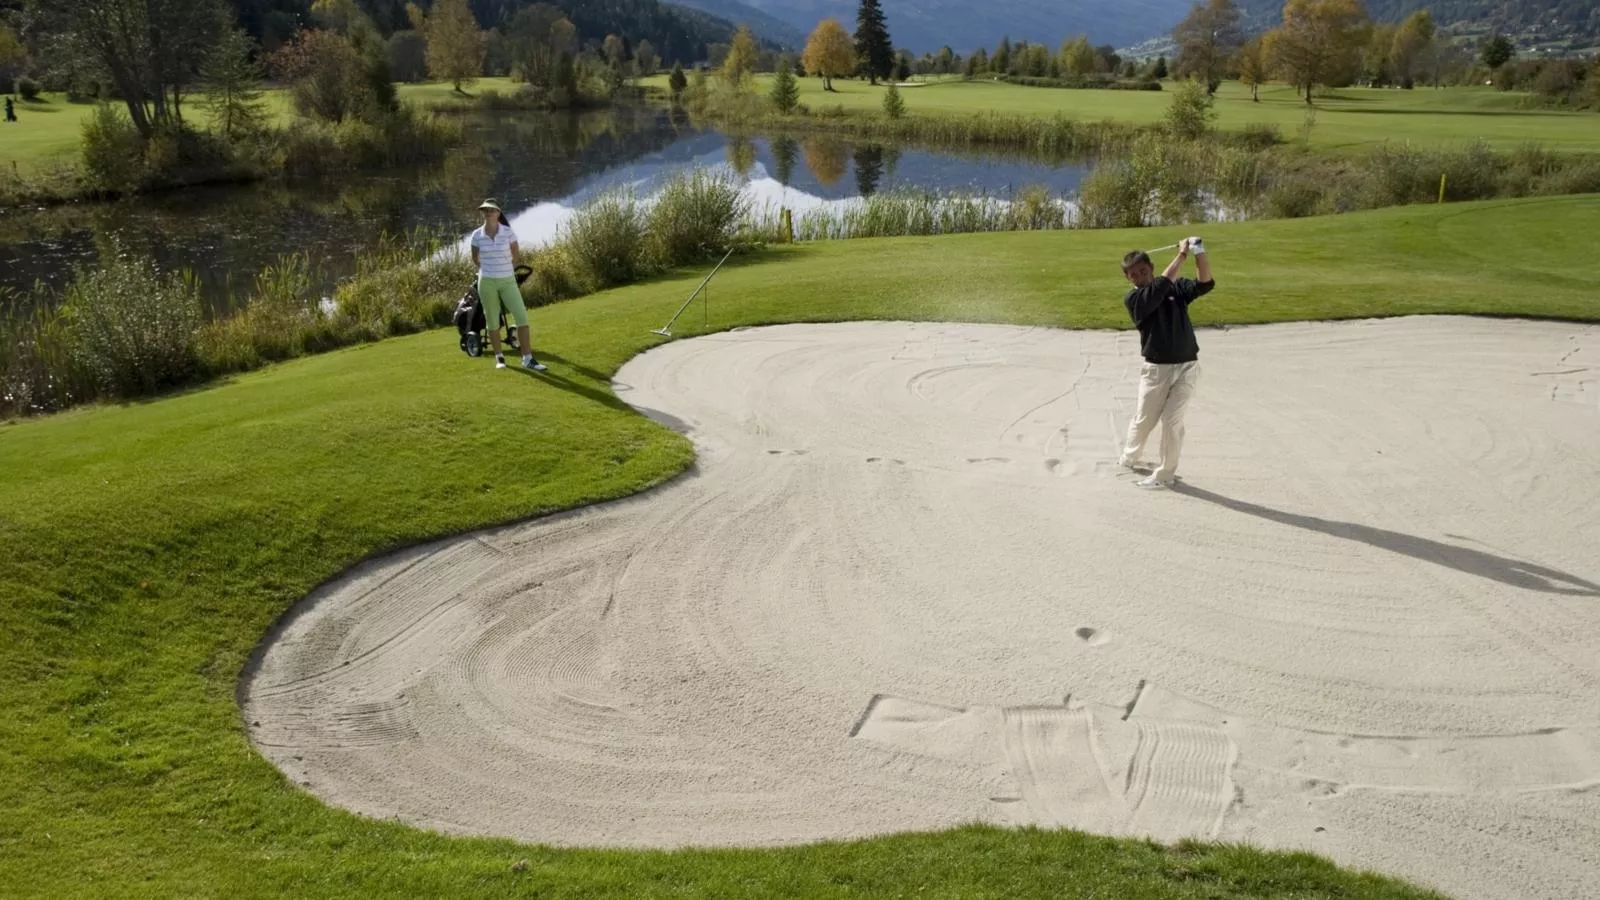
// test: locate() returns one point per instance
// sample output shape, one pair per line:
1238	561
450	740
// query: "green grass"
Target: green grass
49	130
149	546
1348	119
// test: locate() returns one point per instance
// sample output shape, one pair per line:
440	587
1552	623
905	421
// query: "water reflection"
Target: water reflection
540	167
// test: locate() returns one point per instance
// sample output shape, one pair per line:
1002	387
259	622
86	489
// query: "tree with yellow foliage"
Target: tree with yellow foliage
1319	42
456	45
829	52
742	56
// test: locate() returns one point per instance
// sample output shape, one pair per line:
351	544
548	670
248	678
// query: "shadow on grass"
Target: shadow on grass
1481	113
1511	572
566	384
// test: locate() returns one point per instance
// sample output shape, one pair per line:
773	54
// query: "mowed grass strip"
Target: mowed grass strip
148	547
1345	119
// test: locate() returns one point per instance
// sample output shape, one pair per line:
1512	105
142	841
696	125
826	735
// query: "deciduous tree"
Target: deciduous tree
1077	57
645	58
1409	50
408	55
327	79
456	45
829	52
543	43
151	49
1497	51
1207	39
1319	42
1252	63
742	55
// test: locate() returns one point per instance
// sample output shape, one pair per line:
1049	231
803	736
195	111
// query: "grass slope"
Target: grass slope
148	547
49	130
1352	118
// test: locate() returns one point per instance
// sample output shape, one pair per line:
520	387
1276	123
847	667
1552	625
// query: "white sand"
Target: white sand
906	588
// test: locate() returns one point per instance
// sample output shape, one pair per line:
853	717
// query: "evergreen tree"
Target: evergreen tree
785	91
677	81
873	49
894	105
1000	63
233	85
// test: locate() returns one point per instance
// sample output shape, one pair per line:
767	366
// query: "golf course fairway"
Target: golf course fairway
150	546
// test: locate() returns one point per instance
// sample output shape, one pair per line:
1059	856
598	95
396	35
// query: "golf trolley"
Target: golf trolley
474	329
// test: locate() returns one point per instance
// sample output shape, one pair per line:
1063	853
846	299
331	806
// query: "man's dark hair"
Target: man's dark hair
1134	258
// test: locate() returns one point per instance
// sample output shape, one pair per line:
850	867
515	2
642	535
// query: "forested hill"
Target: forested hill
766	26
678	33
1529	22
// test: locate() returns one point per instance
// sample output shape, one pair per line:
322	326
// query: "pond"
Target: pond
540	167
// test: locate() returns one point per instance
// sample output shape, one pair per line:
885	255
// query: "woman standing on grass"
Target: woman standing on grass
494	252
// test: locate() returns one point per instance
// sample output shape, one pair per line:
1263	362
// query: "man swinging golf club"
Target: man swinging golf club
1159	305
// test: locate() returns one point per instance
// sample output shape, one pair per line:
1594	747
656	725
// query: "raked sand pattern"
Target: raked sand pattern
905	588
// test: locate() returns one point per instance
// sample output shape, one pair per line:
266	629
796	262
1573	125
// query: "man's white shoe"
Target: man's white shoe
1128	462
528	362
499	362
1152	484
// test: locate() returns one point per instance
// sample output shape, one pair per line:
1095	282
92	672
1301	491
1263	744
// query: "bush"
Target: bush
1116	194
113	151
1257	136
692	218
1034	209
606	241
1398	175
28	88
134	326
1190	114
403	136
1293	197
393	293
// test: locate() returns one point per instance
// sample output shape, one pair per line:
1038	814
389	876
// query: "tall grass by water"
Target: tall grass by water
126	329
129	330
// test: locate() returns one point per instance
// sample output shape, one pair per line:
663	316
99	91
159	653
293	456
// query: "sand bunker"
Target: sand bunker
906	588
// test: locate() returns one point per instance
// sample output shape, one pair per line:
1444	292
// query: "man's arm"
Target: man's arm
1191	290
1174	267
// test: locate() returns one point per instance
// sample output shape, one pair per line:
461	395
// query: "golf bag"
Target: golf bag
473	328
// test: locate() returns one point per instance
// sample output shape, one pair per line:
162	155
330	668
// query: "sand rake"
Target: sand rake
666	330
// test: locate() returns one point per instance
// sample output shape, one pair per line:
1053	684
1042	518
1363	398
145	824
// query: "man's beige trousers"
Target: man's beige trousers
1164	392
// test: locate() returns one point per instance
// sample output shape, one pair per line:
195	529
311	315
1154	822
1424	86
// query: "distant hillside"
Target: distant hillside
678	33
766	26
1555	24
964	25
